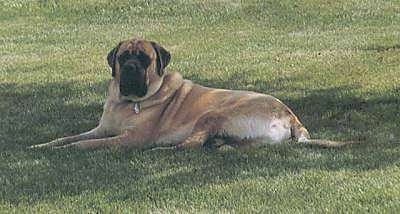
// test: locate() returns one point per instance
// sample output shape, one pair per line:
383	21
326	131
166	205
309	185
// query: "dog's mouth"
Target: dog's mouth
133	81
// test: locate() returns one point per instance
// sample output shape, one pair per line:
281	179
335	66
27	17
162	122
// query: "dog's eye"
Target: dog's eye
123	57
144	58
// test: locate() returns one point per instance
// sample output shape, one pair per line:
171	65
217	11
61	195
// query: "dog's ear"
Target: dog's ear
163	58
111	57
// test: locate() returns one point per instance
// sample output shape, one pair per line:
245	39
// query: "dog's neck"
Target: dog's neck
171	83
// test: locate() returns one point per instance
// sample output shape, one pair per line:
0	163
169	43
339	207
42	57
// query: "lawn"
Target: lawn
335	63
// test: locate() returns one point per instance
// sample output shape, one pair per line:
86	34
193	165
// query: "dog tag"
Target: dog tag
136	108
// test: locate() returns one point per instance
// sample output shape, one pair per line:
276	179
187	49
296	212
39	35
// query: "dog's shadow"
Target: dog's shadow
39	113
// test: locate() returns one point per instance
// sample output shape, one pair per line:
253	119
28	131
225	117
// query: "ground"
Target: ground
335	63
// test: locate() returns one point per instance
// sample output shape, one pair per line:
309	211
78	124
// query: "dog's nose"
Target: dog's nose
130	67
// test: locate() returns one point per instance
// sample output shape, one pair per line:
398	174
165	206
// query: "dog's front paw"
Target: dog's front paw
39	146
47	145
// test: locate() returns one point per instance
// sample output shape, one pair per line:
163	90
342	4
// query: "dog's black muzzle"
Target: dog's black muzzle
133	80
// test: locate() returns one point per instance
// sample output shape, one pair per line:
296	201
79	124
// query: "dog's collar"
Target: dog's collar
136	107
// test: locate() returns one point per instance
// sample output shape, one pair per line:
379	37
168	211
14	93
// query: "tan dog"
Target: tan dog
148	108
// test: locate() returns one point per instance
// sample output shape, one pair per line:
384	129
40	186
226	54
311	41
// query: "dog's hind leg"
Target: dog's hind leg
194	141
92	134
206	127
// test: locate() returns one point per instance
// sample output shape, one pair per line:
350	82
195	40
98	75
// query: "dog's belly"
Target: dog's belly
262	131
265	131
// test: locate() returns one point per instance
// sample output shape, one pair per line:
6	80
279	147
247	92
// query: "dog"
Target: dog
148	107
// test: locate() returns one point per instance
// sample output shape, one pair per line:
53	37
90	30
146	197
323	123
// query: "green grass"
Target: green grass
335	63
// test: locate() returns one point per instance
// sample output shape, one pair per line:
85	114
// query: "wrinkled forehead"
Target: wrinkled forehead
133	46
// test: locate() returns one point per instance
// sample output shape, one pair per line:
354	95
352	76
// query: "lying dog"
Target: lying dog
147	108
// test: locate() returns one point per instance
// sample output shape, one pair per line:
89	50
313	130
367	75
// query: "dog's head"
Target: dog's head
138	66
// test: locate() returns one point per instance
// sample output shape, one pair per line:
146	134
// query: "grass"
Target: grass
335	63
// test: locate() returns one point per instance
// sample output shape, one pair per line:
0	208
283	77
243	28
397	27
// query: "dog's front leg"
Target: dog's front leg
125	139
95	133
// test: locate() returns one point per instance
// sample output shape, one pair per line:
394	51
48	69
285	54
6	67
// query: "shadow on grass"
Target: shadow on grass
38	113
380	48
35	114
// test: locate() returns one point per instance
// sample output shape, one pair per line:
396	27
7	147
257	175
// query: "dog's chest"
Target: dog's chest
118	117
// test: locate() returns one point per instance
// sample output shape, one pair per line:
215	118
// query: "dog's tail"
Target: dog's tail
301	135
